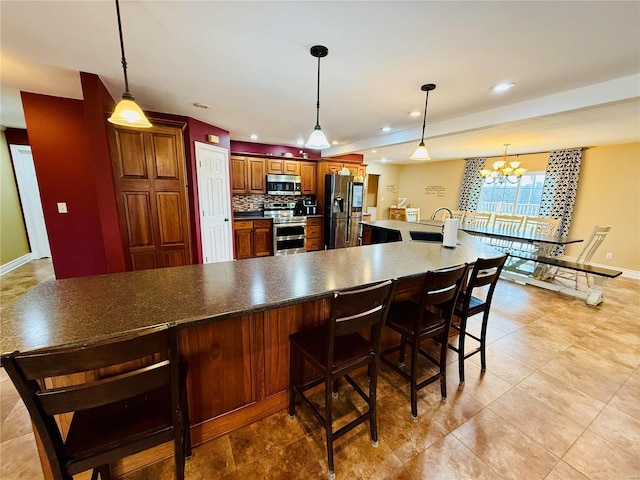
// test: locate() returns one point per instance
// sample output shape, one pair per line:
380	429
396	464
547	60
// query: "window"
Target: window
522	198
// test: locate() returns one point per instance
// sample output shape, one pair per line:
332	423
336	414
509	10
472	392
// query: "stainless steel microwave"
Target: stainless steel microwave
284	185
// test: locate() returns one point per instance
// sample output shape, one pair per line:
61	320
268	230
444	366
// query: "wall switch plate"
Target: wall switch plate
62	207
609	255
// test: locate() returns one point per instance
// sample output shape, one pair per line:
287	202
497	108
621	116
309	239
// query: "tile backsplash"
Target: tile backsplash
249	203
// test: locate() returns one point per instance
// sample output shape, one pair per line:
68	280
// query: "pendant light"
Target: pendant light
421	152
127	112
317	139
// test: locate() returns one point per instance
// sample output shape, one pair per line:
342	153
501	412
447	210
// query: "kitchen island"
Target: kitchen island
234	318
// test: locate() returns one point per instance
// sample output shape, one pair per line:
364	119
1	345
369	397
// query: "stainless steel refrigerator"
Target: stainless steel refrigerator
343	200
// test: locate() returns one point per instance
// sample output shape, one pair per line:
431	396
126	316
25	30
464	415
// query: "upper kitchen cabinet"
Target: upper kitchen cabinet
150	180
282	167
308	177
247	175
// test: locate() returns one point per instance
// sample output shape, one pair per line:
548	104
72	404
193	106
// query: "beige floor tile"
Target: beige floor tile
582	370
447	459
22	466
505	449
258	439
620	429
562	471
549	428
16	423
626	399
508	368
566	400
484	387
450	414
599	459
530	350
402	435
608	346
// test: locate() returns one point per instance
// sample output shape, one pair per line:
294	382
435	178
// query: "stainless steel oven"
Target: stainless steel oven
289	230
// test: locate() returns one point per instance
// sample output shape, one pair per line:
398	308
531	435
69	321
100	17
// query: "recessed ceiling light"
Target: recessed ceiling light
374	151
502	87
253	136
201	105
415	113
335	142
386	129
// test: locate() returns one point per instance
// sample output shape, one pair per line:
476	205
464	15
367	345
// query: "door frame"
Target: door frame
30	200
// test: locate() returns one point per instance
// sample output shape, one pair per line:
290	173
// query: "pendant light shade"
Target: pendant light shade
127	112
421	152
317	139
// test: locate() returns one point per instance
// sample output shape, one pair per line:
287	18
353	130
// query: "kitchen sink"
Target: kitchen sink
434	237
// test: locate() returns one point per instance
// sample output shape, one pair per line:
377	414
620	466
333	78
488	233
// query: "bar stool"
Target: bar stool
429	317
113	414
335	349
485	272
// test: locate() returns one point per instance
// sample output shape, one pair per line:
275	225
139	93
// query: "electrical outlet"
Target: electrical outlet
609	255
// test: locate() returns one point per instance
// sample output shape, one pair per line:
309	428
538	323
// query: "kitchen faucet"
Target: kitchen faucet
439	209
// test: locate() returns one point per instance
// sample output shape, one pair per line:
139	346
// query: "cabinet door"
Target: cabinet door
262	241
256	176
333	167
308	176
366	235
244	243
291	167
239	182
274	166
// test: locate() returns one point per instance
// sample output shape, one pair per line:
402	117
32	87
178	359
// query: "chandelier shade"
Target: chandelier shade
421	152
317	139
127	112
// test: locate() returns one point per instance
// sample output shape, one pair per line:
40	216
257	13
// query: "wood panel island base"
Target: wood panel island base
234	319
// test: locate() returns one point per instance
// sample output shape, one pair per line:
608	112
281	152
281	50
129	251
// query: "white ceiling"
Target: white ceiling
576	66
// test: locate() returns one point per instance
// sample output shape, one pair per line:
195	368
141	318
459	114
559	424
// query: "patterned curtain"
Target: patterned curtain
471	185
560	186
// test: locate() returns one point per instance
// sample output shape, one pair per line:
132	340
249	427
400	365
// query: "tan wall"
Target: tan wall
13	236
388	186
608	194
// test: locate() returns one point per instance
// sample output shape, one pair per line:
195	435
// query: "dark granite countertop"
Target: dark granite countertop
82	310
405	227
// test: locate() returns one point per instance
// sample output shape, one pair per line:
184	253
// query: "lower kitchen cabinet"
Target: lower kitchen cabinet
313	234
253	238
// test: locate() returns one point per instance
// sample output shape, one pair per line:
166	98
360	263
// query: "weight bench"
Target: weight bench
593	295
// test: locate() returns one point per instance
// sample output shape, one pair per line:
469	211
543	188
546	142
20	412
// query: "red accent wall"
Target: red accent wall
98	104
275	150
62	156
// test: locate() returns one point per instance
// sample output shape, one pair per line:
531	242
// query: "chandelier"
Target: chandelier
504	171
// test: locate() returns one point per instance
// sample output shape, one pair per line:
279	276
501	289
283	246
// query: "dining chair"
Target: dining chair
596	237
413	214
336	349
477	219
541	225
427	318
94	404
485	273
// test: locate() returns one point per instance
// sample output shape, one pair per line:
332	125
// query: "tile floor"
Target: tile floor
560	401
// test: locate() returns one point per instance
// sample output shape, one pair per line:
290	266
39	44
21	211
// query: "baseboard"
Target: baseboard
13	264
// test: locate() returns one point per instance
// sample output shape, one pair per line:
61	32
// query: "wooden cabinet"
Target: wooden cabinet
253	238
313	234
283	167
308	176
247	175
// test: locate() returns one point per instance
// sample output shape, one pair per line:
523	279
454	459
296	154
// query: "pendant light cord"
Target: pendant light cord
124	60
318	98
424	121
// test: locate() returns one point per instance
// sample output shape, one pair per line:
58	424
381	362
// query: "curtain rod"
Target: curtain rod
536	153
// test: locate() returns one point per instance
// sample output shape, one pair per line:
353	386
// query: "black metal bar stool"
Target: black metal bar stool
429	317
336	349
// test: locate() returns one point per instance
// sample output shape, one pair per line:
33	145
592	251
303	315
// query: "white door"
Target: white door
30	200
214	194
